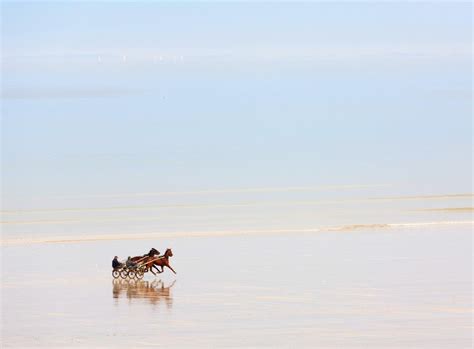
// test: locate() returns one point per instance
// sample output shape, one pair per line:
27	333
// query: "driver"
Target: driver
116	264
130	263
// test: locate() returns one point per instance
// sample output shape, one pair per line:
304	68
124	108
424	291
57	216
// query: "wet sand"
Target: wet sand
400	287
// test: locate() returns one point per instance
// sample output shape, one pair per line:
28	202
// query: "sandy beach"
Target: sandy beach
401	287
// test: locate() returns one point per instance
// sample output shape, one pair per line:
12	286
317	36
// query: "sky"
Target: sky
143	97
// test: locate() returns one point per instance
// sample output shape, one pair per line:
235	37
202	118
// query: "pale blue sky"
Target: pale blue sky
103	98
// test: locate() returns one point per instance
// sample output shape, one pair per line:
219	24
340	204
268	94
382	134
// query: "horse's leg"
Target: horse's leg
170	268
158	270
150	268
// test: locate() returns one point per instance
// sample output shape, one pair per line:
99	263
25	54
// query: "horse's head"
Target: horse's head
153	252
168	252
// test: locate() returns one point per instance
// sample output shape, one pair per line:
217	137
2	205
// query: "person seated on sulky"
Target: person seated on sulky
116	264
129	263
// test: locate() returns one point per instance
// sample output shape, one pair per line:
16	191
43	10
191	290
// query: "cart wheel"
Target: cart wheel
115	273
131	274
124	273
139	274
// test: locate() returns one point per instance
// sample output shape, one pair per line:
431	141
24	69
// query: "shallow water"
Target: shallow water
366	288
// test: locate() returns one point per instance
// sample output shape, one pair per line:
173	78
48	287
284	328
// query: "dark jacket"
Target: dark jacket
116	264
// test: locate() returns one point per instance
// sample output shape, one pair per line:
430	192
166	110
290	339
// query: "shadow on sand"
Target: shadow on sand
155	292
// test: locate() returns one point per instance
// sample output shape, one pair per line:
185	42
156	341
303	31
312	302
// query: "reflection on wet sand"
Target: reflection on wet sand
154	291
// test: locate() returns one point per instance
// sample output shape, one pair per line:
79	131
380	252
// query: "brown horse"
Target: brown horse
163	261
147	260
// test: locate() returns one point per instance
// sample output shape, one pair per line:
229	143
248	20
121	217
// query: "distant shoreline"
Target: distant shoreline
255	232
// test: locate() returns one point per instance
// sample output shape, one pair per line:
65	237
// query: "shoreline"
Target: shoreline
251	232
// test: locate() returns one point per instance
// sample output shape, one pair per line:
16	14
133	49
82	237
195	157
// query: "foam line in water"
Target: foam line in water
250	232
